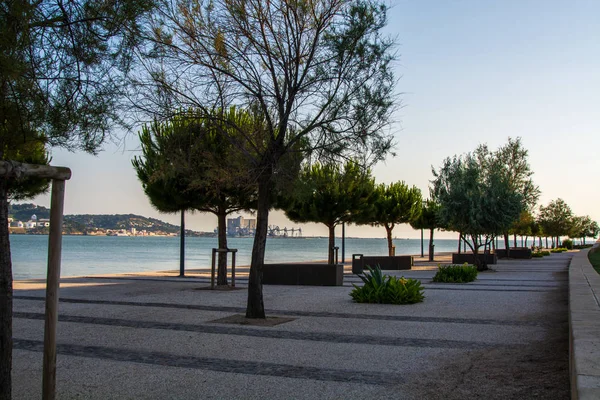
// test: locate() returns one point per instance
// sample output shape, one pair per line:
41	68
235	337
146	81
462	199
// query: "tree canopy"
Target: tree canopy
330	194
393	204
188	163
475	198
556	218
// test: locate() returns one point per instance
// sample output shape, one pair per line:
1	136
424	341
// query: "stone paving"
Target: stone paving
502	336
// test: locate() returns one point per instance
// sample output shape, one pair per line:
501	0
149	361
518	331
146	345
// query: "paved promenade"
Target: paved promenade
504	336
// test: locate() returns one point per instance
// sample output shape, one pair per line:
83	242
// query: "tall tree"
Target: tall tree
328	194
189	164
61	69
317	71
556	219
474	199
393	204
428	219
511	160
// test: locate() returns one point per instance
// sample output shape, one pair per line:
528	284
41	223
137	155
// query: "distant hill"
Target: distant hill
88	222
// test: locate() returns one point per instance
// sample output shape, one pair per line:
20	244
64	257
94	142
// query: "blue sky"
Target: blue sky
471	72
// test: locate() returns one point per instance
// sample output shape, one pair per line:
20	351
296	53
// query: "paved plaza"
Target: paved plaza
504	336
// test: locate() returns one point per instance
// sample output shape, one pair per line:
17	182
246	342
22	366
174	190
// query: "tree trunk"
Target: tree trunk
6	291
540	241
222	228
330	255
526	238
546	241
256	307
481	266
584	240
431	245
388	231
507	244
515	240
459	242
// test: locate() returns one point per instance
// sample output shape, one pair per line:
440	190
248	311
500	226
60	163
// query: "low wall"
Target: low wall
519	253
470	258
310	274
393	263
584	328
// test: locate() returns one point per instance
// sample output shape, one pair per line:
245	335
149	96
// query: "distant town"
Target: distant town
35	220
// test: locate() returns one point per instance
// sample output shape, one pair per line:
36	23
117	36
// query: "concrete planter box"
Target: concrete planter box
470	258
393	263
309	274
521	253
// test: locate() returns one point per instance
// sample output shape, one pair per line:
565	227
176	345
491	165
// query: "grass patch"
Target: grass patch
594	257
558	250
379	288
456	273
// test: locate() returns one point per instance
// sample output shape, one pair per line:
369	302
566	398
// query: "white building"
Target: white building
30	224
43	222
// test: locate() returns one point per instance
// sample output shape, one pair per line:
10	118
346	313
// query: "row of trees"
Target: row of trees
486	194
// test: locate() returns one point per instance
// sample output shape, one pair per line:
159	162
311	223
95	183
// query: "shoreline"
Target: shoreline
420	263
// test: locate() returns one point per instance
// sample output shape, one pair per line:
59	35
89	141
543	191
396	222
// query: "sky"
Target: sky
471	72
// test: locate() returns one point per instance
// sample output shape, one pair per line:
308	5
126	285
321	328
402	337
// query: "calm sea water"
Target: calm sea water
87	255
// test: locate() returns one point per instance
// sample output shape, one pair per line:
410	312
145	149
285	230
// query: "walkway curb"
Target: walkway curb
584	328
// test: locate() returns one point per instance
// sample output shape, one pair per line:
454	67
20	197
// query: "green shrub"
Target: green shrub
582	246
567	244
545	253
537	254
558	250
379	288
456	273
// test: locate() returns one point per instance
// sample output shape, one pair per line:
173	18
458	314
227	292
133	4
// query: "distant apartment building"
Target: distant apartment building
241	226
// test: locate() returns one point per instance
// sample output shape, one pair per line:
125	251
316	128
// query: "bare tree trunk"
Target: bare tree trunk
431	245
481	266
256	307
6	292
546	241
515	239
584	240
507	244
526	238
459	242
222	266
388	230
540	241
330	259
